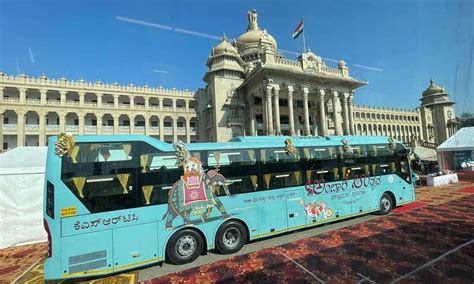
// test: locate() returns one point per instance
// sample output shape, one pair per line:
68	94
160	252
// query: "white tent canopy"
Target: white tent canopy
462	140
21	196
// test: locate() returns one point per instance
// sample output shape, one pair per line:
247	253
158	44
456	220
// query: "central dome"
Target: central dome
254	38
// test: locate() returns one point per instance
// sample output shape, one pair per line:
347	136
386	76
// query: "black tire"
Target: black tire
184	246
231	237
385	204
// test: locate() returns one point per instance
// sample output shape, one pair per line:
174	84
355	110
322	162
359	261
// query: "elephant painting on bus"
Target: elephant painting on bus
195	190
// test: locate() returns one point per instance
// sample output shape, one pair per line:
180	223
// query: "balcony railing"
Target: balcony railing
107	128
155	129
140	128
181	130
32	126
33	101
90	127
9	126
52	127
124	106
108	105
124	128
72	127
72	103
167	108
91	104
53	102
11	100
139	107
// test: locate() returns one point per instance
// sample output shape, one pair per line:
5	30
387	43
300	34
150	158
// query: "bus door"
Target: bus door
295	208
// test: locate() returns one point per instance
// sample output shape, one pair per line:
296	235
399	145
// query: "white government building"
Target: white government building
251	89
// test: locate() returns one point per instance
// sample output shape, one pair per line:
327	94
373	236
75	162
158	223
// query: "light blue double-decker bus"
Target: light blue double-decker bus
113	203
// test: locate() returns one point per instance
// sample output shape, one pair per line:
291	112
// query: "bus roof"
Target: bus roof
242	142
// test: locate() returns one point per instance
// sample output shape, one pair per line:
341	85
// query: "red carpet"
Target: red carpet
408	207
467	190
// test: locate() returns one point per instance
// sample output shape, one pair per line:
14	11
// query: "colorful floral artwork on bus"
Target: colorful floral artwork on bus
196	191
315	209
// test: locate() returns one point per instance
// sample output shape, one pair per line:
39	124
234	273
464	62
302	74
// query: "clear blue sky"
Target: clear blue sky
410	41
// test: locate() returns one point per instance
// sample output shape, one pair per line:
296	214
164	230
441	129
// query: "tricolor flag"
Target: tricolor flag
298	30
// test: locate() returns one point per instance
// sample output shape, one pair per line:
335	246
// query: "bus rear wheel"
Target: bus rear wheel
231	237
386	204
184	246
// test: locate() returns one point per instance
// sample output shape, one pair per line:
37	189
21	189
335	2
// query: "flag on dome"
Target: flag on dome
298	30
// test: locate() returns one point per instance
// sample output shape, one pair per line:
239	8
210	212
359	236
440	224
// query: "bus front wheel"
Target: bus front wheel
184	246
231	237
386	204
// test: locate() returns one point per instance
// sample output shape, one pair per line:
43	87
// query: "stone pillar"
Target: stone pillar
147	123
307	130
22	97
252	118
98	118
116	122
345	113
264	114
160	103
116	102
322	115
63	97
162	127
175	126
186	103
351	114
81	122
62	122
132	123
99	99
43	98
21	128
132	102
270	130
276	102
337	118
174	105
147	102
1	100
81	100
291	115
188	128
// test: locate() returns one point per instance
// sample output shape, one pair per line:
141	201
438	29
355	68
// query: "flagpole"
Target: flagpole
304	40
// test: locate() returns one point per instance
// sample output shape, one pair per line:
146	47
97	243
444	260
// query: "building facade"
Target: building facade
251	89
31	109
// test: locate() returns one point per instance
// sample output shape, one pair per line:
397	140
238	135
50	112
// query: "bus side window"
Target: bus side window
354	162
238	167
101	175
278	169
158	172
382	159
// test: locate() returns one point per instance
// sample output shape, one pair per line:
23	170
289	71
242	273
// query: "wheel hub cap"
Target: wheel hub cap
231	237
186	245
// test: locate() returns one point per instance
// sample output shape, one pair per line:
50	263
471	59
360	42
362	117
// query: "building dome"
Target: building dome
256	37
224	47
433	89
